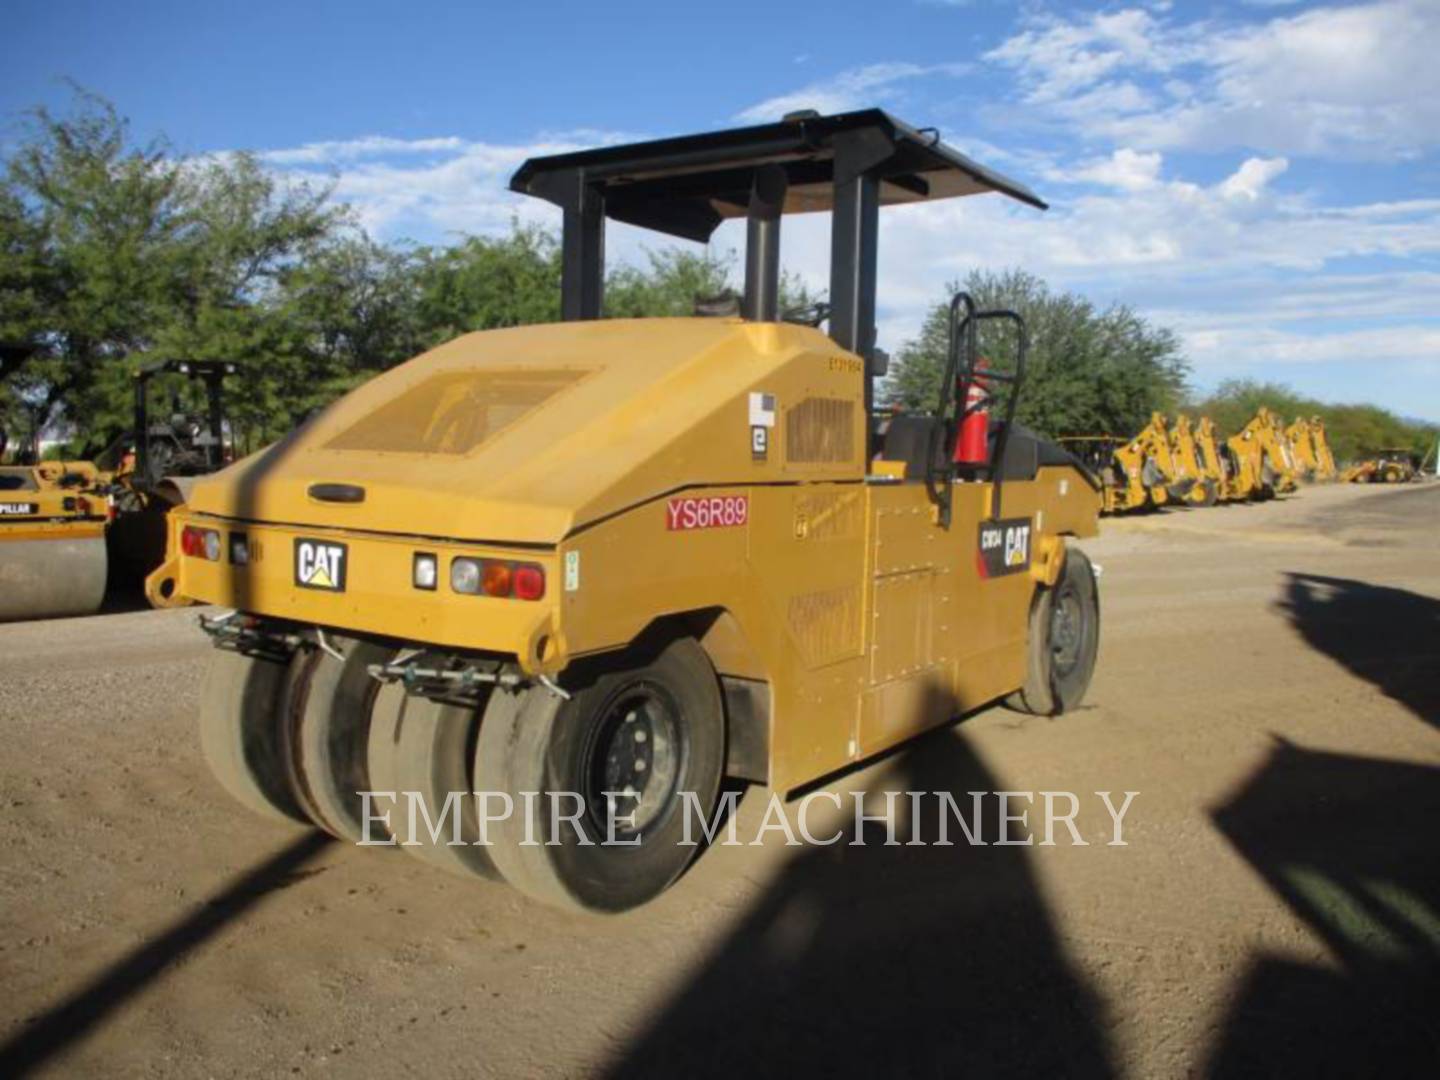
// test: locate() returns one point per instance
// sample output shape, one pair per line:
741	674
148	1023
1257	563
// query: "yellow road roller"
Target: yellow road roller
52	541
520	604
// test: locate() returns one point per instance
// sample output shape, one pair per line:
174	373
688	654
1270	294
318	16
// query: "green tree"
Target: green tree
120	251
483	283
670	285
88	221
1088	371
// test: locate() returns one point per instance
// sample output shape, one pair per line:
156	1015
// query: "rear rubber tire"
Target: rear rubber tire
1062	641
539	742
240	732
328	711
428	747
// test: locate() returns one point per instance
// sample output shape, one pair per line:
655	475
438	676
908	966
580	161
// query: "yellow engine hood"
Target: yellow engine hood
522	435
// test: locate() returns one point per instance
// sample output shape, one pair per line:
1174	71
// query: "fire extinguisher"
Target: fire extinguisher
972	447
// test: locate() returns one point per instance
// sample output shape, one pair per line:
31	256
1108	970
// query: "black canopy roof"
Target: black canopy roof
686	186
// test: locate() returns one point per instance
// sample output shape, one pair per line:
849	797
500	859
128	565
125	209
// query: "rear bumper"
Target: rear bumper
379	596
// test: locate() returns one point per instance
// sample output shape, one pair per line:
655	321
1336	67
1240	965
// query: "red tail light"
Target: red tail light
200	543
529	582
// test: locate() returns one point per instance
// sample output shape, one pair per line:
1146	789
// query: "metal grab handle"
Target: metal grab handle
938	481
1015	379
964	322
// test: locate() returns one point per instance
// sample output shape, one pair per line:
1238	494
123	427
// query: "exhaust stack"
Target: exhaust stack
762	244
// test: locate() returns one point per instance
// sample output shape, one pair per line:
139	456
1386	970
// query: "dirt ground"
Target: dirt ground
1267	684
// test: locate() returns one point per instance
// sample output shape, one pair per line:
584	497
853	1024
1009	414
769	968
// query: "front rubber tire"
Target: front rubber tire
538	742
240	734
1063	640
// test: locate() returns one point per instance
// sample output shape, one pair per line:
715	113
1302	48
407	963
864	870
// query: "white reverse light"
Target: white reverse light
465	575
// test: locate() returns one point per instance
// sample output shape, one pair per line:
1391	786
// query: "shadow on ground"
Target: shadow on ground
889	961
1389	637
49	1034
1348	843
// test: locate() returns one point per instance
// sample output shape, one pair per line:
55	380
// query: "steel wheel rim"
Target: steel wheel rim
635	749
1067	630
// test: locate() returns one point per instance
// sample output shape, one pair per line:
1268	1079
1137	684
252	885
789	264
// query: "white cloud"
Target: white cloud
319	153
404	187
1248	181
1229	271
852	89
1354	82
1263	346
1057	57
1126	169
1261	298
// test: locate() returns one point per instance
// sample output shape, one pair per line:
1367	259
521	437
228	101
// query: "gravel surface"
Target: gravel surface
1267	684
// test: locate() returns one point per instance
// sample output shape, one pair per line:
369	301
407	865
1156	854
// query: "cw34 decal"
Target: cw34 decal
1004	547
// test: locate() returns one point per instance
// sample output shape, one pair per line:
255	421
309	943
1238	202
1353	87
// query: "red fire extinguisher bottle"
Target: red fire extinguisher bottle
973	445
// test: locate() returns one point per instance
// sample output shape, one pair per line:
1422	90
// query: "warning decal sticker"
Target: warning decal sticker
762	409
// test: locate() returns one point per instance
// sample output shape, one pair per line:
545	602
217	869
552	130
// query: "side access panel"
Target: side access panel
910	659
948	609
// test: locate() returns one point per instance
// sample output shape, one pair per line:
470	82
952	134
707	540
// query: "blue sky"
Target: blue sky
1262	175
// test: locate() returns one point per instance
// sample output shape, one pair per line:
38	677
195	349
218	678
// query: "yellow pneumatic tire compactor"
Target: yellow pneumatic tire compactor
613	561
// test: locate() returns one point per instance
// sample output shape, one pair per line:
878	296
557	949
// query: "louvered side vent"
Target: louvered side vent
828	515
825	624
820	431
